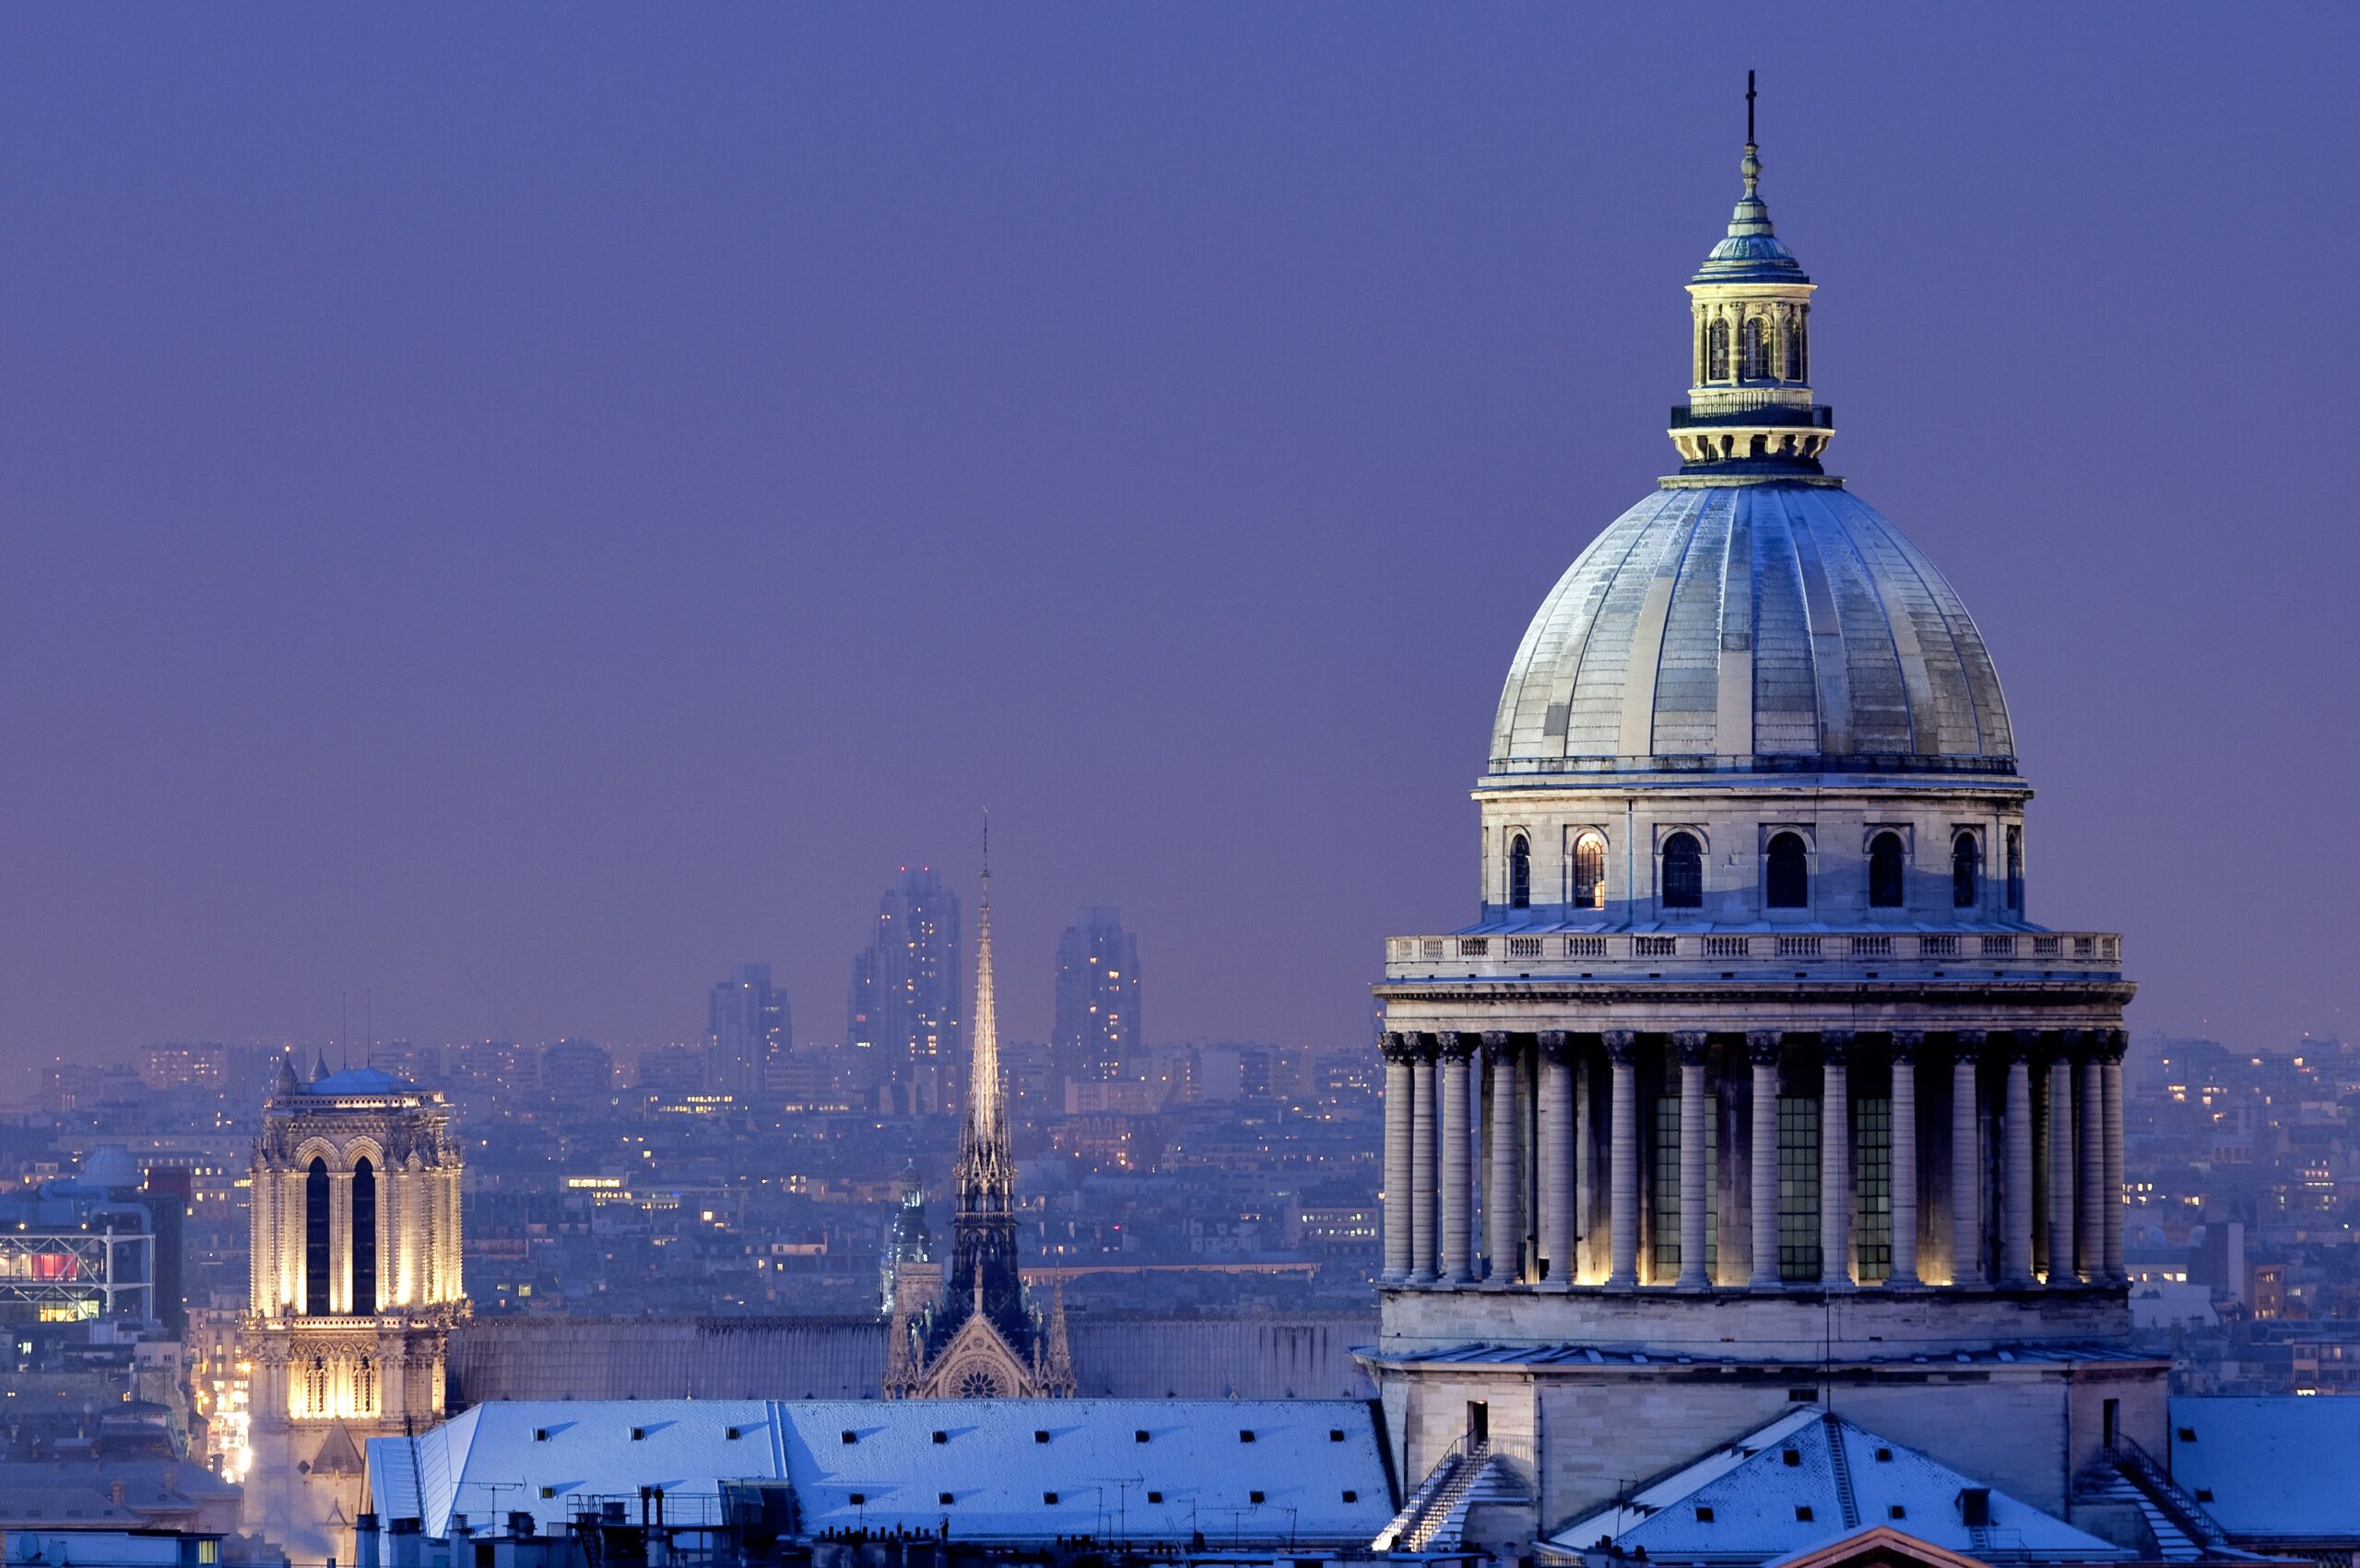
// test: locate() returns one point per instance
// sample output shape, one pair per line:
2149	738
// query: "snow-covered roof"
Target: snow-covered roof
2276	1468
1313	1469
1809	1477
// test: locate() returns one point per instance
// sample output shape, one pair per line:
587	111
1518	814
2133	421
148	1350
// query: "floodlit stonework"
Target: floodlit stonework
1753	1083
354	1288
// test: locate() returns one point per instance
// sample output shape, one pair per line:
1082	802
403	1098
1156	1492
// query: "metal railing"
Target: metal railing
1528	955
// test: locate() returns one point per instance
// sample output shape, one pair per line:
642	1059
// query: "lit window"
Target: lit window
1589	872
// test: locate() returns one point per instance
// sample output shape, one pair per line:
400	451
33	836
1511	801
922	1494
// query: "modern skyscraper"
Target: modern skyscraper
1097	1033
904	1011
749	1031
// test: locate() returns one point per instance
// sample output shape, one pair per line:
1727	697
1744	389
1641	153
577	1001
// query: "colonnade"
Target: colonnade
1764	1160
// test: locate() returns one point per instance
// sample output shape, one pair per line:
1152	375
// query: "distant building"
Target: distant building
749	1031
577	1072
1097	1033
185	1067
85	1249
907	1241
355	1287
904	1011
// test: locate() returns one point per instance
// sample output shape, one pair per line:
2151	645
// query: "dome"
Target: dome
1783	627
111	1166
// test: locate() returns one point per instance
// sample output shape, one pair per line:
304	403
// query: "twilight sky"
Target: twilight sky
515	509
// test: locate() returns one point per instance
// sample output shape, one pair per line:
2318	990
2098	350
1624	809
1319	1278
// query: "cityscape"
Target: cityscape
1790	1129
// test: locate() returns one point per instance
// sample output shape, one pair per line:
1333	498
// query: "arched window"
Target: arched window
315	1387
364	1387
1684	872
1589	872
317	1301
364	1238
1757	349
1884	871
1716	352
1795	347
1787	884
1966	870
1519	873
2016	870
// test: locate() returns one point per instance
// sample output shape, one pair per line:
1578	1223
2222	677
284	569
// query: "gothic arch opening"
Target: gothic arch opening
365	1237
317	1301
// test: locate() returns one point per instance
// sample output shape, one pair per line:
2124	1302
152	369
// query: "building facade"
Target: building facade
749	1031
354	1288
1754	1081
904	1017
1096	1038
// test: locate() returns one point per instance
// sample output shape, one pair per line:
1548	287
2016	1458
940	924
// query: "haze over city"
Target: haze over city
506	521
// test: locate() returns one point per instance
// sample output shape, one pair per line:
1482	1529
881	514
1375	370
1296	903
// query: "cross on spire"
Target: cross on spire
1748	109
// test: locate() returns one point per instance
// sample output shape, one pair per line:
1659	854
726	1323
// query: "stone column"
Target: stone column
1762	1050
339	1242
1502	1214
1695	1204
2089	1255
1966	1164
1622	1175
1458	1158
2060	1168
1424	1180
1585	1227
1398	1132
2015	1196
1835	1159
2111	1048
1557	1225
1905	1044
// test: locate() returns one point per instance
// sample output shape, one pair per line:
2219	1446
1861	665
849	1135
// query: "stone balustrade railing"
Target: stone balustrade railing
1573	955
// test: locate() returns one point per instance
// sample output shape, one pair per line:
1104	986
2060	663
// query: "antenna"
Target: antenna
1748	108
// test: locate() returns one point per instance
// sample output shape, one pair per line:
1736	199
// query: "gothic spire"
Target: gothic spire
984	1165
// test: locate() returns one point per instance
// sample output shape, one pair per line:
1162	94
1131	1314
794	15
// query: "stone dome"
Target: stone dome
1780	627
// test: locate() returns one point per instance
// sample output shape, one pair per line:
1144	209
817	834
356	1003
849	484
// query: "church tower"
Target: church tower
982	1339
355	1284
1752	1082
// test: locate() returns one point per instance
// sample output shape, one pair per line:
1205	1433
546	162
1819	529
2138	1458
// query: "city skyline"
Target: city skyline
369	599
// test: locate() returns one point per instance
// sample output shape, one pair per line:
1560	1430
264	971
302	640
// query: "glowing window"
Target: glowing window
1589	872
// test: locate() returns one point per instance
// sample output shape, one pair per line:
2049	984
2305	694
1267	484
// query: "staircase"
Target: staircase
2128	1473
1438	1507
1841	1464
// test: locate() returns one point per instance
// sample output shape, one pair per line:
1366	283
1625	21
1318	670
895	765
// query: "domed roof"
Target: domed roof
359	1080
1775	627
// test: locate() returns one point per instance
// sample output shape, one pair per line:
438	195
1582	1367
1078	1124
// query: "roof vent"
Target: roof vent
1704	1513
851	1437
1793	1457
1050	1498
1975	1507
1802	1513
1335	1434
1245	1434
1255	1498
943	1498
942	1436
1140	1436
1040	1436
1155	1497
1884	1456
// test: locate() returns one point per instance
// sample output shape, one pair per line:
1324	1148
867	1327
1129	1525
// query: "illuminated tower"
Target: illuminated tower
1097	1032
982	1339
355	1283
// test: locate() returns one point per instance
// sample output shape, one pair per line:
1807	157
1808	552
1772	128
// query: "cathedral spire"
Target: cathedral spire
986	1168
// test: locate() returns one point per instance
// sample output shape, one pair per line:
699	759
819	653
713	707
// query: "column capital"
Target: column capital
1456	1044
1556	1045
2112	1045
1966	1042
1906	1043
2021	1044
1834	1045
2070	1042
1693	1045
1499	1045
1621	1046
1399	1046
1763	1046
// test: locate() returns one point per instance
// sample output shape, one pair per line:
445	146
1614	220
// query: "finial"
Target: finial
1753	164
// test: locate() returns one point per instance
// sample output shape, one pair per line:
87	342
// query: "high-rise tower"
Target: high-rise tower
747	1030
1096	1035
983	1337
1752	1082
903	1012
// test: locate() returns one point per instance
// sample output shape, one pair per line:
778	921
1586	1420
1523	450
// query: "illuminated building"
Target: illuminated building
904	1014
355	1287
749	1031
1096	1035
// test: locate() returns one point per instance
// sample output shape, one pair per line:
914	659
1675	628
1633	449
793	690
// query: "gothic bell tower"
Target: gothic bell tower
355	1285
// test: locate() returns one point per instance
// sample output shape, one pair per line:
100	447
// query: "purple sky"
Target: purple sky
574	499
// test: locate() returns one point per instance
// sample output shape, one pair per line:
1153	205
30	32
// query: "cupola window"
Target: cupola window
1796	369
1684	872
1787	884
1520	872
1589	872
1717	350
2015	870
1966	870
1884	871
1757	349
